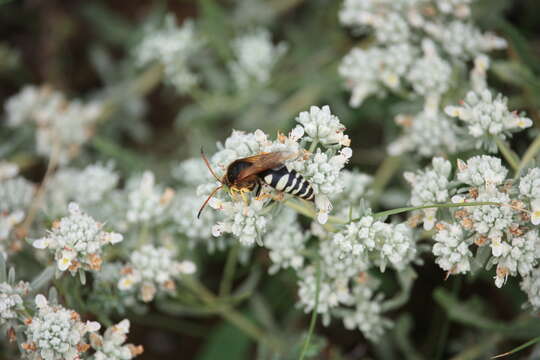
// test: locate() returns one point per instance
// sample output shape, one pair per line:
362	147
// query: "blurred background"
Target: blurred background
85	49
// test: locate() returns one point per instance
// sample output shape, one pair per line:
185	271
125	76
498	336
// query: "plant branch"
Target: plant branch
230	314
228	273
508	153
531	152
313	320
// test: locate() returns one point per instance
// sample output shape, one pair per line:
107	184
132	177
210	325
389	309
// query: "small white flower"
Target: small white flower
65	260
482	171
187	267
535	213
256	57
77	239
174	47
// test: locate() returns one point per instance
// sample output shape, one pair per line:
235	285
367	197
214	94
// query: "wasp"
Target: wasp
251	173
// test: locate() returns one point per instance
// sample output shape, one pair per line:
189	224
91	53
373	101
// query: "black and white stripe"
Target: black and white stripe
291	182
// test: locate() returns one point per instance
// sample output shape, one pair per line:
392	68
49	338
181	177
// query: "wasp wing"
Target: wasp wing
263	162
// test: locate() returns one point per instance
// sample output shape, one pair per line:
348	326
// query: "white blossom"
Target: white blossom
451	249
332	292
147	202
286	242
519	255
86	187
485	115
256	57
529	185
385	243
151	269
15	194
535	212
531	286
367	314
371	71
77	240
62	126
320	125
490	220
8	170
183	211
463	40
431	185
111	345
174	47
11	300
243	221
56	333
427	133
482	170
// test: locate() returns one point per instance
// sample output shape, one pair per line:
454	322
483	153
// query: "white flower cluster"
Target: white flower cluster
320	125
151	269
430	187
382	243
503	226
183	211
61	126
345	292
451	249
286	242
482	170
430	74
401	29
111	345
16	193
147	202
174	47
76	241
487	116
86	187
255	57
11	300
56	333
244	221
531	286
529	189
322	169
373	70
428	133
367	313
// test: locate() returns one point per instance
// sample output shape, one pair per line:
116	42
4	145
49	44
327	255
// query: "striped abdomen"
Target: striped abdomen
291	182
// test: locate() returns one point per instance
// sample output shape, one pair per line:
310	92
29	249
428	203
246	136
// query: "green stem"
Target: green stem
228	272
531	152
230	314
314	313
508	154
310	213
445	205
313	146
519	348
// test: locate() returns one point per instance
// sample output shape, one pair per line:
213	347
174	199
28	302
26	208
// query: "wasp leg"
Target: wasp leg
233	192
276	197
244	197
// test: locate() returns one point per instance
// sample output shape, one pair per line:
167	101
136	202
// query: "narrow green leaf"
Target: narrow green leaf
519	348
43	278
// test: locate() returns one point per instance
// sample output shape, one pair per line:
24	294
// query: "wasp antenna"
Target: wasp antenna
208	199
208	165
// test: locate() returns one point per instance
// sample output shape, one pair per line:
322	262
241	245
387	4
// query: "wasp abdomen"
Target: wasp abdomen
290	182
